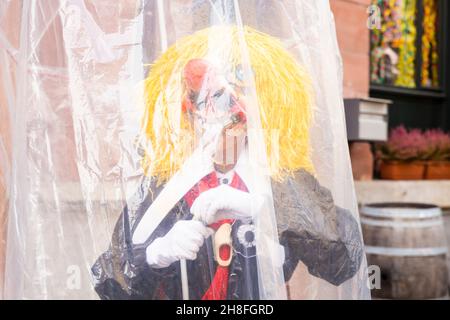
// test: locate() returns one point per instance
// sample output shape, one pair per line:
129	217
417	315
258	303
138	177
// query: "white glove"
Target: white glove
225	202
183	241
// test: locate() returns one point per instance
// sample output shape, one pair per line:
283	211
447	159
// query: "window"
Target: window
406	52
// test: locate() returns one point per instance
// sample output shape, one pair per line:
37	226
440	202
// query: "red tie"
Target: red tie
219	284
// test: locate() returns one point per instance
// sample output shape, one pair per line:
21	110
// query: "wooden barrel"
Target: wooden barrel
408	243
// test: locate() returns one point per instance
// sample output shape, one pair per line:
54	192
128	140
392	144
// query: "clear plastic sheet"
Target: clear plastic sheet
177	150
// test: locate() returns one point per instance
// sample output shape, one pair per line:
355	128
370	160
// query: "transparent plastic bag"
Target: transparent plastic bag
179	150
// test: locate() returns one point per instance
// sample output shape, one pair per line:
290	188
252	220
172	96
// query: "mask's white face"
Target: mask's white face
213	121
213	106
216	116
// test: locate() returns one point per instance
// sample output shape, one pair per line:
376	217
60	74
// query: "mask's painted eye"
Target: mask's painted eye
201	105
219	93
239	73
193	96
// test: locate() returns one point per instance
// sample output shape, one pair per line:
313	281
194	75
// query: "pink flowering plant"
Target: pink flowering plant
410	145
438	145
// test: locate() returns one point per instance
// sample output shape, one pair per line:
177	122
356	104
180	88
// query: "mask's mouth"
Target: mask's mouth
232	124
216	129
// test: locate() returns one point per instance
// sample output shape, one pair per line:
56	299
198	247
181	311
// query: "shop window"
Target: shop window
406	51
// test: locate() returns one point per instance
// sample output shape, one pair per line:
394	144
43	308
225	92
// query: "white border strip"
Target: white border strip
406	252
403	213
401	224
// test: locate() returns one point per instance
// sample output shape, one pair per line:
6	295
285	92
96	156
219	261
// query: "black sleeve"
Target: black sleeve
314	230
122	271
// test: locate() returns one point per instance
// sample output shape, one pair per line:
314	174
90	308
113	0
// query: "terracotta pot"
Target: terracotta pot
438	170
395	170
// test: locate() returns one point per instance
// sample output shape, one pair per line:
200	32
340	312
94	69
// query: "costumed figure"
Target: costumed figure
195	211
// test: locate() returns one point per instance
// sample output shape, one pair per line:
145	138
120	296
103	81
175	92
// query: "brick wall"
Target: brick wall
353	37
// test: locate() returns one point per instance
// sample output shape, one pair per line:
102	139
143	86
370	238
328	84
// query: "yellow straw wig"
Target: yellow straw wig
283	91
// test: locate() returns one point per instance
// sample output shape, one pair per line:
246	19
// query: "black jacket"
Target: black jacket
311	228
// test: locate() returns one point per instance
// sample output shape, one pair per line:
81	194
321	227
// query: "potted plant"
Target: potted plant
403	155
438	165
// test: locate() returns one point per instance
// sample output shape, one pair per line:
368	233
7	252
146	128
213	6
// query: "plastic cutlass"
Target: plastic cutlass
194	169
